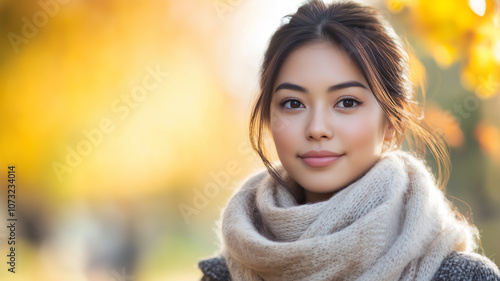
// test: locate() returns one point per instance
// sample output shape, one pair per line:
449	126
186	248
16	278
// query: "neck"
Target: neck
312	197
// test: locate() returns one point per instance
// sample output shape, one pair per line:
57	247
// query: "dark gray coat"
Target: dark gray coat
456	267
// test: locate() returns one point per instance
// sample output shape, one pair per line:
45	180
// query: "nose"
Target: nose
319	127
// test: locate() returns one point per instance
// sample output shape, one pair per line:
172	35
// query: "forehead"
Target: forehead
319	62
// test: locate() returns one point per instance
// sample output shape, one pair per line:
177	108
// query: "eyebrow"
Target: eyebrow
333	88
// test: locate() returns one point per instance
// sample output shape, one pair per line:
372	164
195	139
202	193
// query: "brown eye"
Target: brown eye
291	104
294	104
348	103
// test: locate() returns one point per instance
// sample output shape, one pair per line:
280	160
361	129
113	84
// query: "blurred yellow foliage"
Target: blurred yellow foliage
455	31
488	137
87	65
445	124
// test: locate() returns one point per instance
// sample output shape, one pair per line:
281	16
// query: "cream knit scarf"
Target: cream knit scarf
391	224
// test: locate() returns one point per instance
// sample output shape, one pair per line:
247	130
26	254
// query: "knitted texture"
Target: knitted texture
456	267
391	224
464	267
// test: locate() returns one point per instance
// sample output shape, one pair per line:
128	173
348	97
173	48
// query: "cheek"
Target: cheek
284	132
362	131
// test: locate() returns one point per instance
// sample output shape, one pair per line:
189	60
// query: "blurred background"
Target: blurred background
126	122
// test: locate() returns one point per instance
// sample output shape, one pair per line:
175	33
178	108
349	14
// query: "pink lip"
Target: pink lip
321	158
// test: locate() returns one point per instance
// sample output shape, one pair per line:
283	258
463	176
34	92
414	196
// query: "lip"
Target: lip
319	153
320	158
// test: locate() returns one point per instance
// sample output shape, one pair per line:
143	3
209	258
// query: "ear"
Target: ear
390	131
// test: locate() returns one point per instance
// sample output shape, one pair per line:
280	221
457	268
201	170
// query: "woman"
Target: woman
345	202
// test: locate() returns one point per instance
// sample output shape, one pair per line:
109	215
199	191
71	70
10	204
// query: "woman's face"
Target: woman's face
322	102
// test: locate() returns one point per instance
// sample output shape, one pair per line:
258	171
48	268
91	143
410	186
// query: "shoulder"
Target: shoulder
214	269
467	266
457	266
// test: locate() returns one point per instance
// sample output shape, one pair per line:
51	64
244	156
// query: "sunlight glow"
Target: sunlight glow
477	6
496	51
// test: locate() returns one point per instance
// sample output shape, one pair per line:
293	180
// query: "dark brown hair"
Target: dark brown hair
376	50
